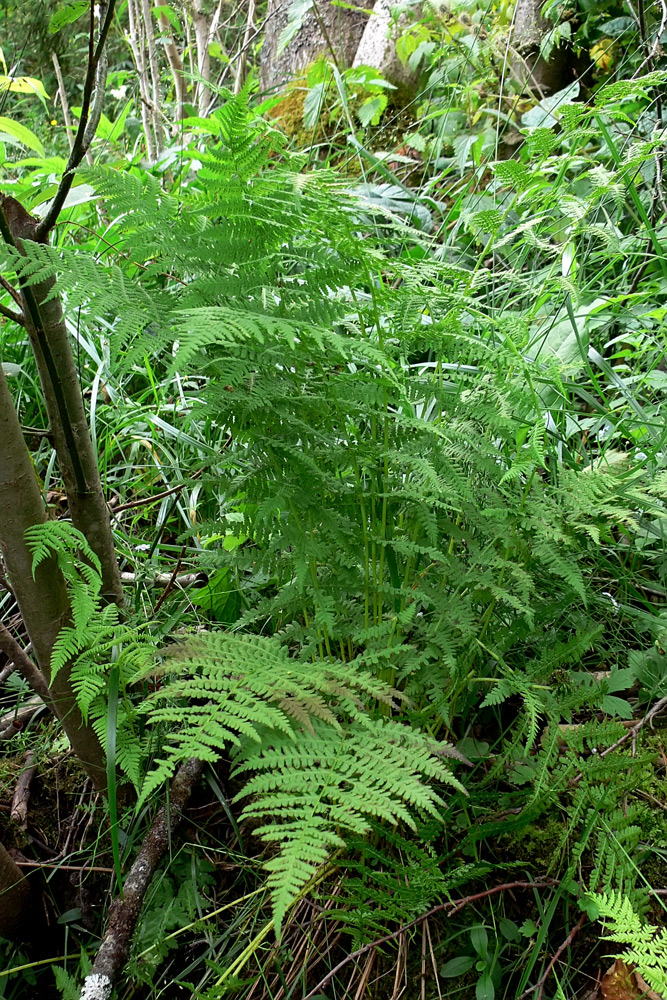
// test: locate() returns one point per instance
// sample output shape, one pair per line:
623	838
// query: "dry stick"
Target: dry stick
433	961
170	583
28	670
454	905
91	107
66	868
634	732
124	911
64	104
15	317
181	580
19	722
14	292
19	810
539	985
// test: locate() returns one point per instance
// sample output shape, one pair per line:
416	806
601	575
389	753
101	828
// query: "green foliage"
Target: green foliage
646	945
433	421
318	766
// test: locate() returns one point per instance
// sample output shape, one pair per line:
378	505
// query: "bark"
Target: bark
200	23
242	64
327	30
76	456
136	41
377	48
125	911
528	66
42	598
21	916
176	66
154	75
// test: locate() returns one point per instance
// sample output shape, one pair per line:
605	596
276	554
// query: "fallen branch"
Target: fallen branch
124	911
19	811
539	985
659	706
199	579
453	905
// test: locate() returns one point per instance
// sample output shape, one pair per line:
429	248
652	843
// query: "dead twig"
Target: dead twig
453	906
124	911
19	811
539	985
28	670
631	733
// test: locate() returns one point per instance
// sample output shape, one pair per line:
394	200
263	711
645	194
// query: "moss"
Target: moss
537	845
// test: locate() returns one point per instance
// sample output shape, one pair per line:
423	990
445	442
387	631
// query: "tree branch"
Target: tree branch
453	905
16	317
124	911
13	217
83	135
28	670
14	292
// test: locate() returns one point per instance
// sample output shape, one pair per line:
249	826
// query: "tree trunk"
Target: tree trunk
136	40
202	26
327	30
528	66
42	598
21	916
377	48
76	458
175	64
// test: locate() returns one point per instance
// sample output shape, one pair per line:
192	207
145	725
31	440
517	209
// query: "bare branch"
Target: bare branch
125	911
16	317
79	147
14	292
453	906
28	670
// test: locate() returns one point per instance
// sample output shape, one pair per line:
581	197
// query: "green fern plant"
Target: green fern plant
646	945
318	768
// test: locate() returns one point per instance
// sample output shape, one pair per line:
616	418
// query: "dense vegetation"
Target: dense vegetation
332	508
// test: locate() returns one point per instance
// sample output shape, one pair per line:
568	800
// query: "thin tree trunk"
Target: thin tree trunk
242	65
81	477
42	598
202	35
377	48
20	914
137	46
155	76
175	64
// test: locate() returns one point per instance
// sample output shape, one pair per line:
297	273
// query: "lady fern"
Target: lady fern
318	767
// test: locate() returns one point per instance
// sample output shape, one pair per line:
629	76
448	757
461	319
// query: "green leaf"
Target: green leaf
170	14
219	597
485	990
70	12
611	705
457	967
480	940
22	134
509	929
370	111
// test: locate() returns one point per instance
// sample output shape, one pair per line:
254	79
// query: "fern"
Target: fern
319	768
646	946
